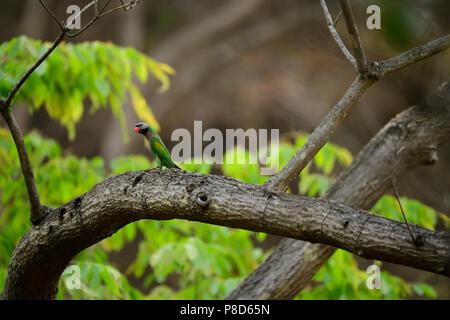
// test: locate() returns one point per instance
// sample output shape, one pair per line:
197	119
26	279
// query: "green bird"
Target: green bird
158	148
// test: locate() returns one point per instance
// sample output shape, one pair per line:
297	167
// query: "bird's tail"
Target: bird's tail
175	166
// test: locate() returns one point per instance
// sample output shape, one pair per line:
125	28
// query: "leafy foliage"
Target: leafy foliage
99	72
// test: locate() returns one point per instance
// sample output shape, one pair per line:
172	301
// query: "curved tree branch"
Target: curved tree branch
417	132
46	249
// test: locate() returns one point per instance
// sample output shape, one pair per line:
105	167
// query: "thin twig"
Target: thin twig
335	34
130	5
394	186
72	35
335	22
34	67
37	211
115	9
60	23
354	35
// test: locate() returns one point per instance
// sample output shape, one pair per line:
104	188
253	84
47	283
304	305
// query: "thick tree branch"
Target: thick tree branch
354	35
117	201
418	132
45	250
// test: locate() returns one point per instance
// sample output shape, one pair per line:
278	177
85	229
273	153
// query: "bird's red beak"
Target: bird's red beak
136	129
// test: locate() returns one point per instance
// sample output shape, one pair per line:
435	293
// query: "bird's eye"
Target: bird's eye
144	131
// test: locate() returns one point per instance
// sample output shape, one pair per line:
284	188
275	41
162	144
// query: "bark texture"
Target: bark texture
46	249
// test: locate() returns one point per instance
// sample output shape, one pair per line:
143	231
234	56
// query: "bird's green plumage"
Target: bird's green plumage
161	152
157	147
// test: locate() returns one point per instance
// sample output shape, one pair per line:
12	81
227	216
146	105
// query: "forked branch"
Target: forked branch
293	273
98	14
322	133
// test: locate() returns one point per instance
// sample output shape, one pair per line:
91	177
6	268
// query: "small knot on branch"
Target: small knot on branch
202	199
